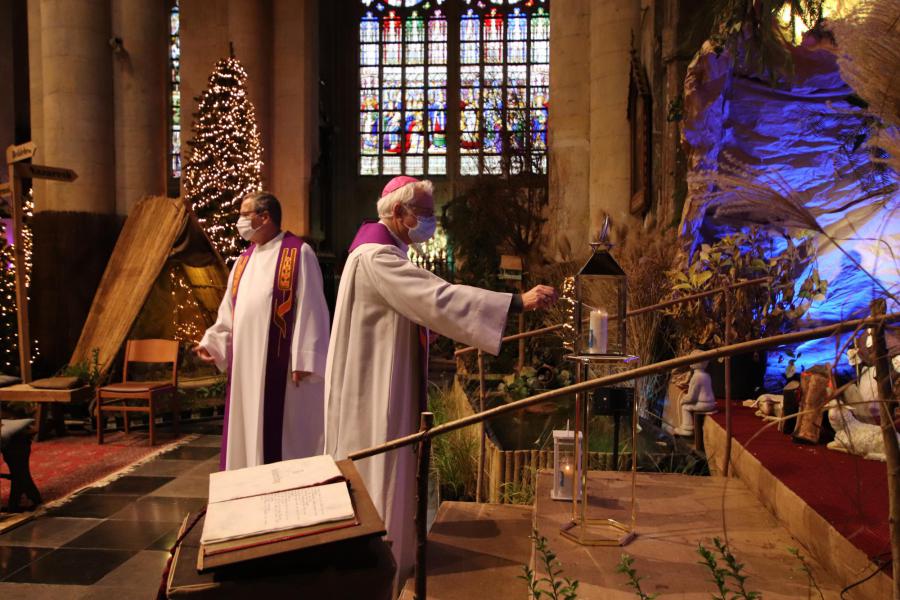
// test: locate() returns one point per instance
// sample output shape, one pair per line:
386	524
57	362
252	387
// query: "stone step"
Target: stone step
477	551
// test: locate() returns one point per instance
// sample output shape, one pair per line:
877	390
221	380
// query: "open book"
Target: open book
271	503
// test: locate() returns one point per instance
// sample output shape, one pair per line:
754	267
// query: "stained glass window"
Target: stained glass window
174	93
403	89
504	55
502	77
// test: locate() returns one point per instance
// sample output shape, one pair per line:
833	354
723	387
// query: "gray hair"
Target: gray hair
266	202
403	195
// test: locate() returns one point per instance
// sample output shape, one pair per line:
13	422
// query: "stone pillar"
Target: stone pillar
611	27
250	30
7	101
140	85
570	142
204	40
77	104
295	102
36	91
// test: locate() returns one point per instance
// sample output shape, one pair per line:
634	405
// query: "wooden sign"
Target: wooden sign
20	152
31	171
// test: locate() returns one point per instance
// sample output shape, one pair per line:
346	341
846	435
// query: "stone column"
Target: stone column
77	104
569	145
140	85
295	108
611	27
204	40
7	101
250	30
36	91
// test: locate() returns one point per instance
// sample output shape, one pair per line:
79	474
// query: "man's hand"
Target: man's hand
204	354
298	376
538	297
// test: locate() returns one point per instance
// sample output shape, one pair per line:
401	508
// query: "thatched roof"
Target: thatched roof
158	232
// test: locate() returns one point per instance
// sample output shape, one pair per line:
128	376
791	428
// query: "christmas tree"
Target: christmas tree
9	332
225	160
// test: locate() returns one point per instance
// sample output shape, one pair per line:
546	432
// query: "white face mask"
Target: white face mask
423	230
245	229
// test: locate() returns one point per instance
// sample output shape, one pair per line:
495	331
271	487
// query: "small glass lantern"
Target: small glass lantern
600	296
565	465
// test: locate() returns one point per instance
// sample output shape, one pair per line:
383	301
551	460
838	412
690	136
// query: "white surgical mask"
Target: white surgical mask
245	229
423	230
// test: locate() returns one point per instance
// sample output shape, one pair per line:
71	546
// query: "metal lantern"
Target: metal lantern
565	465
600	297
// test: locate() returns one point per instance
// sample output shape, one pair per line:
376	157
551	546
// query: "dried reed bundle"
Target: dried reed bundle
743	195
869	60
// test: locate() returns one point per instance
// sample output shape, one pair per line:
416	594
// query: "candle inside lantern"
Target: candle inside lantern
565	472
598	327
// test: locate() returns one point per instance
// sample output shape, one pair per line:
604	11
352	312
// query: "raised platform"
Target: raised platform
477	551
835	504
675	513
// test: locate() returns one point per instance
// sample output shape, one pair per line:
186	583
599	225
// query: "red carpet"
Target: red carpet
848	491
60	466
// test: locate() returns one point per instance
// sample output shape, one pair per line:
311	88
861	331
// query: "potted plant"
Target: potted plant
757	311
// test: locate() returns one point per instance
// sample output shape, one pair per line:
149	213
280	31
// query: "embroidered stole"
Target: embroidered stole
278	352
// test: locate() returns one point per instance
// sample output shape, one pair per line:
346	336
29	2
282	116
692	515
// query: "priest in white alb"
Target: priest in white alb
377	360
271	336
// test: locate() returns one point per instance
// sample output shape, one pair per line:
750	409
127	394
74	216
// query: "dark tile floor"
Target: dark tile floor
110	542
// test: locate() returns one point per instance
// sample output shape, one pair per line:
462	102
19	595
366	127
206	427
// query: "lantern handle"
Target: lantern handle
602	242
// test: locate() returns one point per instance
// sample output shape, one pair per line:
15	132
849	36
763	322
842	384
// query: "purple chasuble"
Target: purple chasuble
373	232
278	351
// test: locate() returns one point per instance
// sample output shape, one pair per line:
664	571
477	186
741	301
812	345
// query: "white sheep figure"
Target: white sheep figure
852	435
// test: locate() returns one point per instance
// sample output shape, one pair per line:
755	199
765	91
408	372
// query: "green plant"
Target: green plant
559	588
87	370
454	456
625	567
757	311
807	570
721	574
531	381
522	492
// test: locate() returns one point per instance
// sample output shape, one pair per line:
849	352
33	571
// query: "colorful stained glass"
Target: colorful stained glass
392	77
540	52
512	69
415	30
470	76
437	165
368	29
174	93
540	75
437	77
437	30
437	53
368	54
391	165
409	121
415	165
415	99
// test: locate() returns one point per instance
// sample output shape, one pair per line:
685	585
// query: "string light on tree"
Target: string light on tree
185	308
9	341
225	159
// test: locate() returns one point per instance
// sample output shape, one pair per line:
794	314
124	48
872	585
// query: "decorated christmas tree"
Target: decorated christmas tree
9	340
225	159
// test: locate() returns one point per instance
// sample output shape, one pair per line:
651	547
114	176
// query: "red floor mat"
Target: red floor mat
848	491
60	466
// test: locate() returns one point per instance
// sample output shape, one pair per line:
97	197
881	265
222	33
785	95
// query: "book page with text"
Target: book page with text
274	477
290	509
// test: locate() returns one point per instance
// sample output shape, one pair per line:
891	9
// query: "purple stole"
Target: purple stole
373	232
278	352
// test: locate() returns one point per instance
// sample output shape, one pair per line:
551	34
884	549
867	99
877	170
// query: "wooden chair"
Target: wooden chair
115	397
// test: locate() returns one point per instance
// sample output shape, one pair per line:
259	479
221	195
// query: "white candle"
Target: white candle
597	341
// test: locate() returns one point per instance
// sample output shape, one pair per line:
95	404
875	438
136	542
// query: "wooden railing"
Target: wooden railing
427	432
724	290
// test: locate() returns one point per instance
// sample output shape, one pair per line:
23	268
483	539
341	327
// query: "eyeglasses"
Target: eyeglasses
421	211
